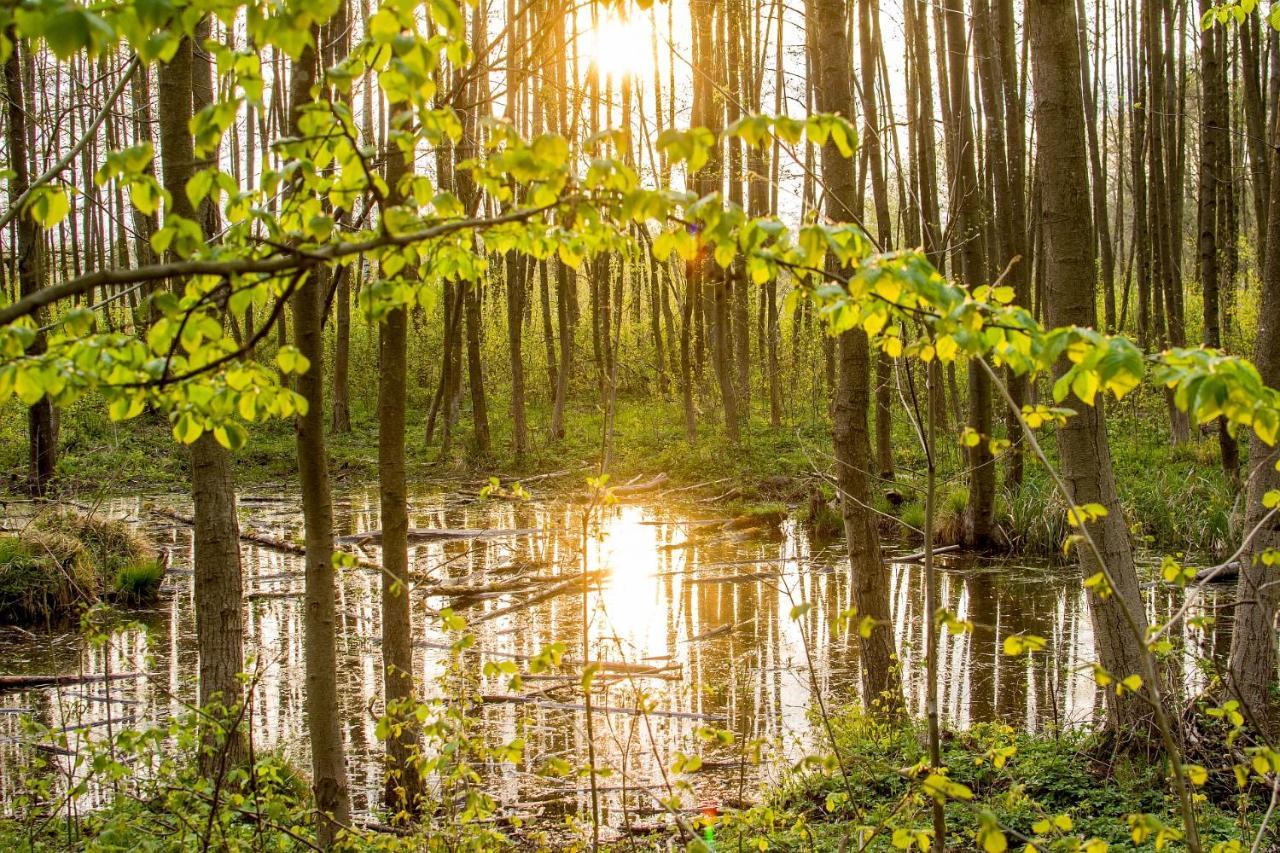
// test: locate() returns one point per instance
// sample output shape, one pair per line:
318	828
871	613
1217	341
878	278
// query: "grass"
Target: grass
63	561
44	575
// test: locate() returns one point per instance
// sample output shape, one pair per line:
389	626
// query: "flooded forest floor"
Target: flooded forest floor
693	614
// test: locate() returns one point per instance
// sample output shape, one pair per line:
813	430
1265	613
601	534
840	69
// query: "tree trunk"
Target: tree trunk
475	368
1070	300
42	445
882	690
1212	184
979	526
1253	640
216	539
341	420
328	769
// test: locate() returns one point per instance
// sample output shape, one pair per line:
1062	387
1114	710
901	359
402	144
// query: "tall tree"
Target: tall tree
216	539
852	400
42	444
1070	299
1214	183
979	525
1252	665
328	768
403	786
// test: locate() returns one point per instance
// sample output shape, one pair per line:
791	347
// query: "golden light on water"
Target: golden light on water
635	602
619	44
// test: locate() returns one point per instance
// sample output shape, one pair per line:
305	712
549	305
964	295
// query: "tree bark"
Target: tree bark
42	445
979	521
1252	665
1071	300
216	540
881	688
328	769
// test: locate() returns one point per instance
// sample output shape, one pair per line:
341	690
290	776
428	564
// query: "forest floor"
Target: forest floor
1177	498
1072	779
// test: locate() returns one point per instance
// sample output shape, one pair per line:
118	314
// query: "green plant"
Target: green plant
138	583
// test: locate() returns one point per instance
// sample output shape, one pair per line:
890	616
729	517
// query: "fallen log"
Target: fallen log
273	595
753	576
436	534
557	589
24	682
1219	574
455	590
604	709
568	665
258	537
920	555
640	488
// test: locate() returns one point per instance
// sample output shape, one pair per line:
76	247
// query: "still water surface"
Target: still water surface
709	608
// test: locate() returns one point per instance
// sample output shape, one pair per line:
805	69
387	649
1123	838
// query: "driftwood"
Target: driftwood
274	594
640	488
747	578
257	537
23	682
570	666
561	588
436	534
603	709
1219	574
920	555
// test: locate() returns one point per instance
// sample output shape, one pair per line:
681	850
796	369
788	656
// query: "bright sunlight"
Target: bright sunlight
619	44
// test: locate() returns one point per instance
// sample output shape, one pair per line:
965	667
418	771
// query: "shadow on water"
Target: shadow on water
708	610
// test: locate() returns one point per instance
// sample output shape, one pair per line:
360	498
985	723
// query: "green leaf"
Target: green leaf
48	205
290	360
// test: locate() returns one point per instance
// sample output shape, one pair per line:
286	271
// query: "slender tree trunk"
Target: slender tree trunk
979	527
328	770
882	690
216	545
869	44
1071	300
1253	640
1214	142
42	445
475	369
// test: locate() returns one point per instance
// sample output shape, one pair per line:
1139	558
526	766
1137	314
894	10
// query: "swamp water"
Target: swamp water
708	612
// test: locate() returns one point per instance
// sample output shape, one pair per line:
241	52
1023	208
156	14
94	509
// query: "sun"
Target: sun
620	44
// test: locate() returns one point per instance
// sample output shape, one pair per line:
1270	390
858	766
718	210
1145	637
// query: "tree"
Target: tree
328	768
42	443
1252	666
1070	299
852	399
216	538
979	522
403	785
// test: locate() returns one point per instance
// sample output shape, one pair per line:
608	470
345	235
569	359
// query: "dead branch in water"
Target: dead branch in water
607	709
23	682
257	537
434	534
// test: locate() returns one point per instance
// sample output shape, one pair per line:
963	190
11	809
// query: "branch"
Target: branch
88	134
244	266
